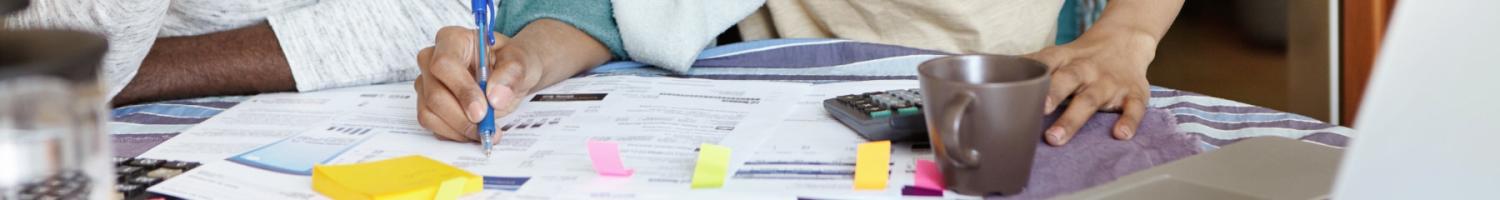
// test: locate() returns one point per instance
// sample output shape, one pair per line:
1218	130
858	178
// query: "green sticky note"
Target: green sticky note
713	166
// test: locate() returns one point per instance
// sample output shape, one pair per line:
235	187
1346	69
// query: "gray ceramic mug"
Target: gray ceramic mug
984	118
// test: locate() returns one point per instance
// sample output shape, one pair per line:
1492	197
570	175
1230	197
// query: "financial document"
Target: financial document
812	155
658	123
267	118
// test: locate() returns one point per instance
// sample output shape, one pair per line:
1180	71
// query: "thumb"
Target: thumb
1053	57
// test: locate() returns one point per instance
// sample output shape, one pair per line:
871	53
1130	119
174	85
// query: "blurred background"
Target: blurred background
1310	57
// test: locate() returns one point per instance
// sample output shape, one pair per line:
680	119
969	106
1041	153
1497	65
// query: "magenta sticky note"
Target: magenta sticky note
928	176
606	157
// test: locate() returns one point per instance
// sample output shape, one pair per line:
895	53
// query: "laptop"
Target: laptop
1428	127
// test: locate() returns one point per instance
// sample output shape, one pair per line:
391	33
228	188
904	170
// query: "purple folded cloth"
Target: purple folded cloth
1095	157
916	191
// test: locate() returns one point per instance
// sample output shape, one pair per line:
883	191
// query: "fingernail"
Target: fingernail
494	100
501	97
467	131
1125	133
476	111
1047	108
1055	136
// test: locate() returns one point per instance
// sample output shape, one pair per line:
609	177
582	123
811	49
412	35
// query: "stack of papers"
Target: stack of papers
783	144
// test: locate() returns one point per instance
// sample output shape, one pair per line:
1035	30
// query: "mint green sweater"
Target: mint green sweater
594	17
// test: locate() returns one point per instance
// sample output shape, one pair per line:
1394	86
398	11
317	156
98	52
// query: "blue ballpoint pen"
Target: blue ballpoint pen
482	16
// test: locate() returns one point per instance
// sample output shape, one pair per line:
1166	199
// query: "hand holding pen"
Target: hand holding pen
450	102
458	91
482	16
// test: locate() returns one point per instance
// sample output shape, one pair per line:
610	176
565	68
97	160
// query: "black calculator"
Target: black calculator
894	115
134	175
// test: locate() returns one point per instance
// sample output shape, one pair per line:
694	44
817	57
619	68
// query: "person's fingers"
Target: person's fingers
458	132
1053	57
1078	112
1113	104
450	133
501	83
440	102
446	107
530	77
500	40
424	58
434	123
1065	81
452	57
513	82
431	121
1130	118
498	133
439	127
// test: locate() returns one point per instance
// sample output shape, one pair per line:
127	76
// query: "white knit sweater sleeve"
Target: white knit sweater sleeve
340	43
130	26
671	33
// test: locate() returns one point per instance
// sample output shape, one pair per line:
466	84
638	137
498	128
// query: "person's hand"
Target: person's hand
449	101
448	97
1102	71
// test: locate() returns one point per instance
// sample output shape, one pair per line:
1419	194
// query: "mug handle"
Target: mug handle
953	115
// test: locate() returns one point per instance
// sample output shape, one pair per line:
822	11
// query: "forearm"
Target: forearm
1142	19
562	50
237	62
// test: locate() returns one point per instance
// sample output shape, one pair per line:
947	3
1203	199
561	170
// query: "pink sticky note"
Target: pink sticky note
928	176
606	157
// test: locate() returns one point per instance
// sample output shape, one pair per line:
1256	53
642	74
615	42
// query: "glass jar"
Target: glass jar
52	109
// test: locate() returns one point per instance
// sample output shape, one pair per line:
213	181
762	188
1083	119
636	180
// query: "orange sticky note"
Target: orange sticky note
872	166
606	157
928	176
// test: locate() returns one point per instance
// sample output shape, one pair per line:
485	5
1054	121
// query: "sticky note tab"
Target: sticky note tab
450	189
606	157
713	166
872	166
928	176
409	177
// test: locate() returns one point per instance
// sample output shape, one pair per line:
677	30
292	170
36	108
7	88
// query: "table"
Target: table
1215	121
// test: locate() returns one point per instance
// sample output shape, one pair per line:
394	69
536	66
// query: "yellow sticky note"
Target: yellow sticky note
713	166
872	165
409	177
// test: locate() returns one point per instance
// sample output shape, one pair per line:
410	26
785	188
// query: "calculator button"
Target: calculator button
164	173
128	171
908	111
145	180
129	189
182	165
858	102
880	114
146	162
850	98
